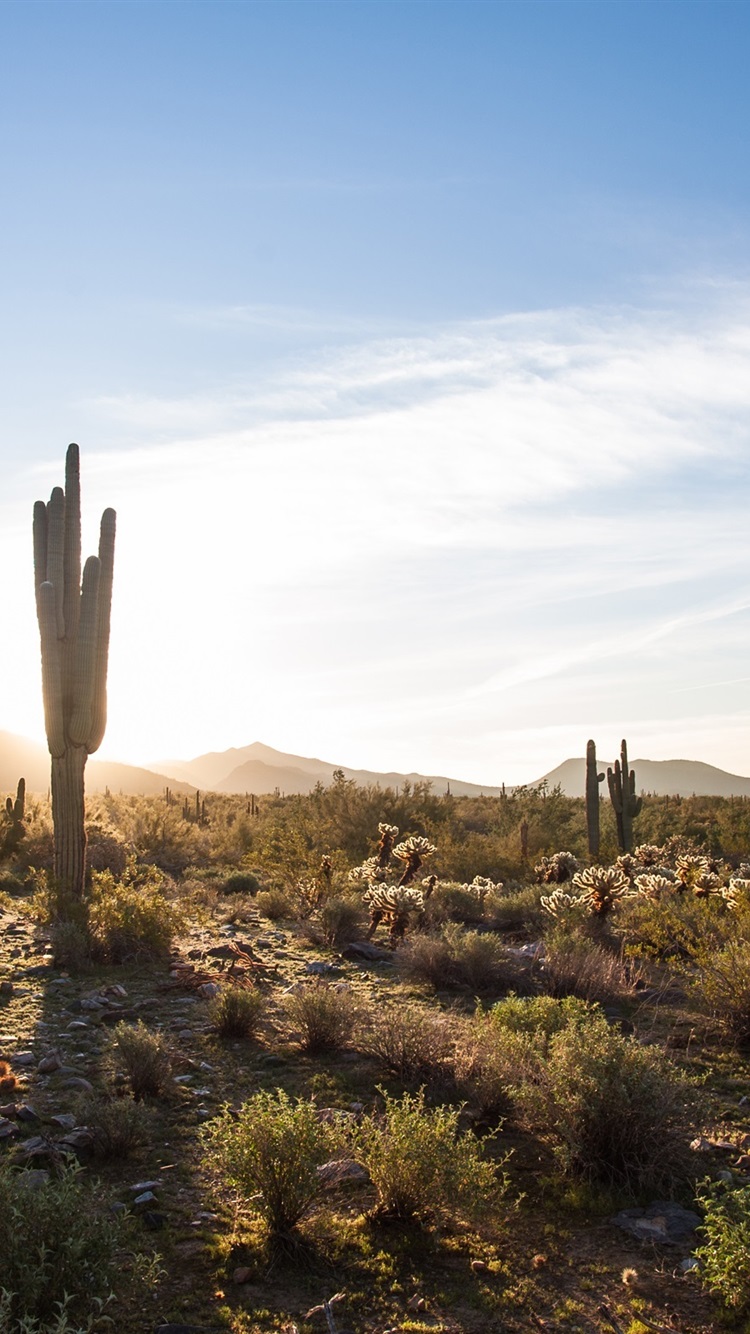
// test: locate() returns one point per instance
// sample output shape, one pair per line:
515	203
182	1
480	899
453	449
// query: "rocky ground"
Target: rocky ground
556	1262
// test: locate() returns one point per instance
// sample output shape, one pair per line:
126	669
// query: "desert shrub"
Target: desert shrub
495	1046
574	966
105	849
341	920
409	1042
119	1125
146	1058
273	904
323	1015
269	1153
518	912
241	882
70	943
618	1112
236	1012
57	1250
723	985
131	917
725	1256
455	903
460	958
421	1165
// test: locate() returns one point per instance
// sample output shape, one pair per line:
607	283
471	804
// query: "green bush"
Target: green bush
131	917
617	1112
323	1016
71	946
723	986
241	882
146	1057
57	1250
269	1152
237	1012
725	1257
539	1015
421	1165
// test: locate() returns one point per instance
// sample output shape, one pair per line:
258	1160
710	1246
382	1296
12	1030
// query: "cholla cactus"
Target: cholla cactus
690	866
413	851
737	891
743	871
629	865
369	873
557	869
601	887
648	854
481	886
559	903
388	835
653	884
706	883
393	904
428	885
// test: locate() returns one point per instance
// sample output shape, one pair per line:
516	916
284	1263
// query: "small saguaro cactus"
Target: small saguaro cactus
621	783
14	813
593	779
74	616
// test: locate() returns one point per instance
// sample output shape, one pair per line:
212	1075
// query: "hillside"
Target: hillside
685	778
20	758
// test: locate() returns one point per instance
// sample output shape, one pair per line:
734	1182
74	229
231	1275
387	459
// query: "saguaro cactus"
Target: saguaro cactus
74	629
621	783
14	813
593	779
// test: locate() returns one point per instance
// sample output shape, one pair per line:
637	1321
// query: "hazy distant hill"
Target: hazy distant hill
258	768
664	778
20	758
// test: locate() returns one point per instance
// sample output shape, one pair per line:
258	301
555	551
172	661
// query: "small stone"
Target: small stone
479	1267
52	1061
117	1207
8	1130
726	1177
33	1178
242	1275
700	1144
78	1082
185	1034
141	1186
320	969
416	1303
26	1113
209	990
23	1058
65	1120
687	1266
76	1025
147	1197
342	1169
6	988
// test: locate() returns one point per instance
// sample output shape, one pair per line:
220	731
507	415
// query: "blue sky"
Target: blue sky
410	341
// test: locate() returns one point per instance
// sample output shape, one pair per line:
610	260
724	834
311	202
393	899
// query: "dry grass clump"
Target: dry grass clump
470	960
341	920
723	987
574	966
518	912
146	1058
273	904
236	1012
323	1014
119	1125
414	1044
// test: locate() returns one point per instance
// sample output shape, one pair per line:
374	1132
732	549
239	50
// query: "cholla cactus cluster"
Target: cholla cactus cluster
559	903
601	887
652	885
649	854
691	867
737	893
393	904
557	869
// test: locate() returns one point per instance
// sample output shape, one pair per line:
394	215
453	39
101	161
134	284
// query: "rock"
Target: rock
23	1058
364	949
26	1113
687	1266
6	988
479	1267
242	1275
319	969
342	1169
141	1186
726	1177
185	1034
8	1130
65	1120
209	990
146	1197
52	1061
78	1082
700	1144
33	1178
663	1222
416	1303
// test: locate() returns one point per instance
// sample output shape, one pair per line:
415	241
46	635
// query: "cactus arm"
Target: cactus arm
84	675
40	543
51	670
20	804
56	554
99	701
72	543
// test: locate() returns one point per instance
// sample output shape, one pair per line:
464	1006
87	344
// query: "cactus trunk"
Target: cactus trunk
593	779
73	618
621	782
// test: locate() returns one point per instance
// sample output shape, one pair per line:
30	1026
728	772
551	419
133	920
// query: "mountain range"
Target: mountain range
261	769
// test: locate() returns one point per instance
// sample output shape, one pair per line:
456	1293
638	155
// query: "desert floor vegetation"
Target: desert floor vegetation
359	1043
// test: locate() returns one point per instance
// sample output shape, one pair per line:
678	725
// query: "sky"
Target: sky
410	342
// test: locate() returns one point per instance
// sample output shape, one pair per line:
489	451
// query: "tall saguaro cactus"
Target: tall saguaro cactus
73	618
593	779
621	782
